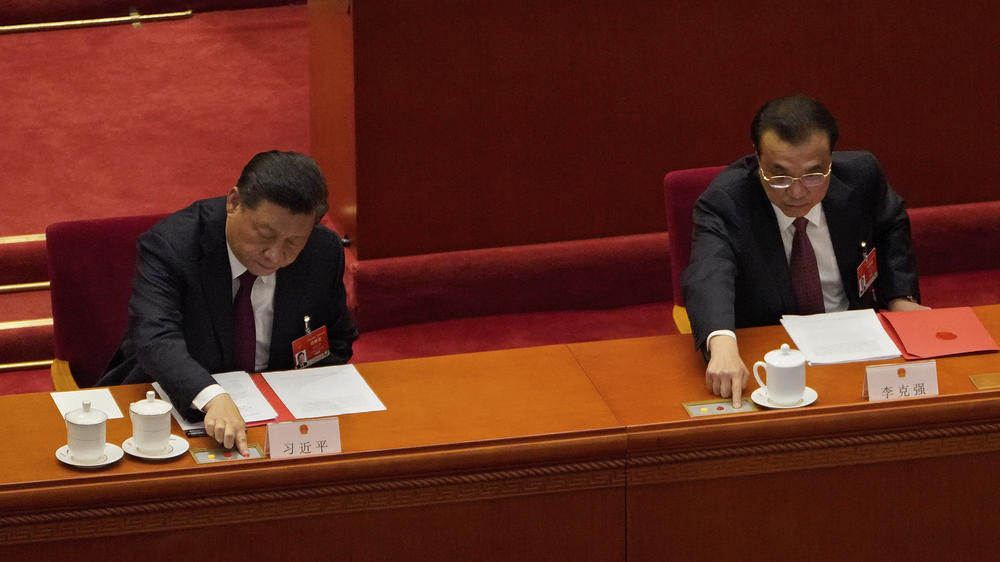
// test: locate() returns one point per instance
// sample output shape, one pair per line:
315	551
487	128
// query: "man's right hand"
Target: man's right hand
726	374
224	422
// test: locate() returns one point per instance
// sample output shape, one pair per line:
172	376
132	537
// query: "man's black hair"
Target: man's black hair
793	119
287	179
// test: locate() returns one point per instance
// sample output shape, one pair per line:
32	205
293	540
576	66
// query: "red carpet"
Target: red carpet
25	305
120	120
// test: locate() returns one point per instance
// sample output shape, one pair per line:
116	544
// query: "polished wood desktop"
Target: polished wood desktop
578	451
842	479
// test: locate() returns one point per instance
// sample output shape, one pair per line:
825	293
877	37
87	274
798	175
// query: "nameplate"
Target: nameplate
901	380
303	438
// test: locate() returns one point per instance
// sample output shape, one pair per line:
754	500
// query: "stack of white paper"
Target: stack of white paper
840	337
99	398
324	391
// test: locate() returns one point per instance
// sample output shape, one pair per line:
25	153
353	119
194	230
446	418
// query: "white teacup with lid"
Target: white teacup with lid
786	375
86	433
150	424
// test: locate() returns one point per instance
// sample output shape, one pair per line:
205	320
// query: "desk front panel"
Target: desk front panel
841	479
467	440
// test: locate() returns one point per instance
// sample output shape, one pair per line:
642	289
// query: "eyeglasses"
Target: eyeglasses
814	179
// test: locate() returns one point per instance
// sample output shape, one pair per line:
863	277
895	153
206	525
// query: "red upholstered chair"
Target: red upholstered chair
681	189
91	263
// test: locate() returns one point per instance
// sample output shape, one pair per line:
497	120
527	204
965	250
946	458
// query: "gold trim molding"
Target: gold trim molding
23	366
24	287
814	453
134	18
19	324
22	238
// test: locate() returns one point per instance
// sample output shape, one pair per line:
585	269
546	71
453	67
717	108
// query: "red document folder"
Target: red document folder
272	398
921	334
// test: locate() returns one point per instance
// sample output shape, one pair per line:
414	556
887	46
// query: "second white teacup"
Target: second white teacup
86	432
786	375
150	424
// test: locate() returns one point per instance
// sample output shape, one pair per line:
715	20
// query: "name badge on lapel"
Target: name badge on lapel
310	348
868	270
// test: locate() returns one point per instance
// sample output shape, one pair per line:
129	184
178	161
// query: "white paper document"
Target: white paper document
840	337
241	388
99	398
324	391
249	399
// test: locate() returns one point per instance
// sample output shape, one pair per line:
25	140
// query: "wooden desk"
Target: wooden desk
575	451
468	446
843	479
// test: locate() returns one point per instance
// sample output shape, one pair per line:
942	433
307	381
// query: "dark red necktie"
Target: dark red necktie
804	271
244	329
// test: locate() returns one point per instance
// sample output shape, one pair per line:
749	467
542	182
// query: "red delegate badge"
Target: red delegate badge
867	272
310	348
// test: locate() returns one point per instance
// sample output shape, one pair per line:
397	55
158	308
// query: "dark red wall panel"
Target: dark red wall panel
482	124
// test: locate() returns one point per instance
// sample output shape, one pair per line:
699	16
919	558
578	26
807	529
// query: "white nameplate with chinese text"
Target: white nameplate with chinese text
303	438
901	380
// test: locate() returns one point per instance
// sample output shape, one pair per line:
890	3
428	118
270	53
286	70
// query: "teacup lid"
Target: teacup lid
151	406
785	357
86	415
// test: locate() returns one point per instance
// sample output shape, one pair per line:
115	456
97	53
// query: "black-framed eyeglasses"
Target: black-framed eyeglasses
814	179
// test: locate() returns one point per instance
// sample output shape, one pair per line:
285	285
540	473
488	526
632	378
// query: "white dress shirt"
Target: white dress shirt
834	297
262	301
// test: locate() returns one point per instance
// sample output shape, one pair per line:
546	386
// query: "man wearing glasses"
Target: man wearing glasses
783	231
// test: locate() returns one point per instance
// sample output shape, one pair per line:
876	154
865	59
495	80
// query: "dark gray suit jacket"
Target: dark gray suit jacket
738	275
180	312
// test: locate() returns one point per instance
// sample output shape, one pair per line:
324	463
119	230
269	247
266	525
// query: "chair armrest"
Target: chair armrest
62	378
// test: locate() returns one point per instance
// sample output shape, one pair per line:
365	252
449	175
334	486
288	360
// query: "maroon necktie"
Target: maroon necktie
244	330
805	273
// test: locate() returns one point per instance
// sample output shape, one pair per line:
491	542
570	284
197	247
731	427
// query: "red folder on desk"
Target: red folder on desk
283	413
921	334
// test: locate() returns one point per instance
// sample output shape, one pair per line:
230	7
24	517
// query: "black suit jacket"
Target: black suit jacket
738	275
180	312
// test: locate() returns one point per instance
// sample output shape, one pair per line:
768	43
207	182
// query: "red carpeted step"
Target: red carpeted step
505	331
29	343
114	121
24	305
22	262
20	382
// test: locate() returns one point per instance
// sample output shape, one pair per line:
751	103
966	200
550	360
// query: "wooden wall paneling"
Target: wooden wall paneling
482	124
331	104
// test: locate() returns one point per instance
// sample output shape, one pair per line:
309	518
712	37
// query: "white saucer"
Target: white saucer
177	446
112	453
760	397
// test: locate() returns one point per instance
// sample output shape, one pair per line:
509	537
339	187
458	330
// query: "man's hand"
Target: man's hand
726	373
224	422
902	305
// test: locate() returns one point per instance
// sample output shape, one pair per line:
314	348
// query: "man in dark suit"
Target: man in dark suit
781	232
225	285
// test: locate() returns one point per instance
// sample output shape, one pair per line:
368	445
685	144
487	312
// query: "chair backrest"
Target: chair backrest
681	189
91	264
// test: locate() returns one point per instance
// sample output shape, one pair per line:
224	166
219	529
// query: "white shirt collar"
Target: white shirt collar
814	216
238	268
